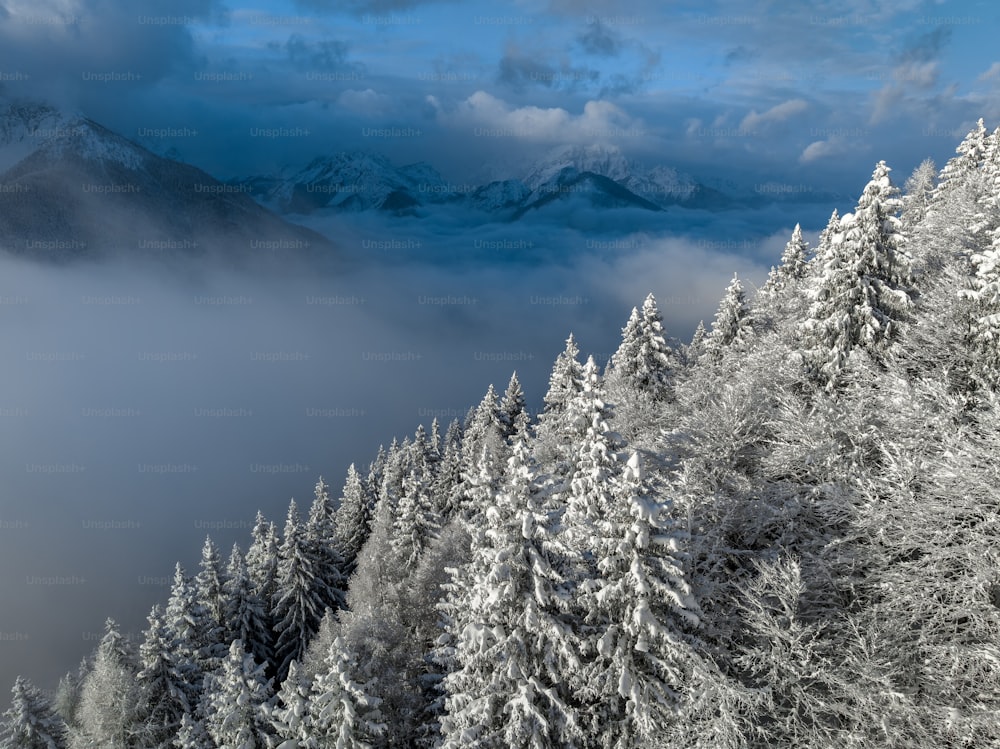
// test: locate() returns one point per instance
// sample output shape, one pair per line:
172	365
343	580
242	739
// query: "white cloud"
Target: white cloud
821	149
990	74
778	113
489	115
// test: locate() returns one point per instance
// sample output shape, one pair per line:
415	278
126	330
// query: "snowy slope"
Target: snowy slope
83	190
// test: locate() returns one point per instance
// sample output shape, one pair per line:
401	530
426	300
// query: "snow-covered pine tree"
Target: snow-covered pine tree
644	362
510	649
696	348
513	412
352	522
192	735
188	623
376	472
829	240
107	710
733	324
344	714
416	523
434	446
31	722
300	595
794	261
396	469
970	154
246	614
163	693
595	462
447	489
641	662
321	540
262	557
237	702
555	444
484	430
208	584
862	290
291	717
984	326
563	381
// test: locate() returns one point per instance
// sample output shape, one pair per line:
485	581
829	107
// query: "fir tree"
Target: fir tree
641	661
321	540
246	614
188	625
31	722
970	155
262	557
108	703
733	324
237	702
485	430
300	595
511	649
292	717
343	713
564	381
513	412
794	262
208	588
697	346
984	326
352	522
644	362
416	523
595	460
556	436
163	694
918	193
829	239
67	697
448	486
862	290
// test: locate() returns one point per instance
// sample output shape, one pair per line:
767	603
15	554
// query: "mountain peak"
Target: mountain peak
85	139
607	161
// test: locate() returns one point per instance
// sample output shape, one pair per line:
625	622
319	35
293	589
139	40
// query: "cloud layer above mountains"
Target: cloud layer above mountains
819	90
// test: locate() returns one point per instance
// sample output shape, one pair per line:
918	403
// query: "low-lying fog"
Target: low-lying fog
142	408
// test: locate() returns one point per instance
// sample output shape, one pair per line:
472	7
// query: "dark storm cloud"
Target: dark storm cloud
927	47
740	55
599	40
324	54
100	48
521	71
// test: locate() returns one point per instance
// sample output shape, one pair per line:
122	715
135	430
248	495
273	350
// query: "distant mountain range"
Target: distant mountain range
599	175
70	187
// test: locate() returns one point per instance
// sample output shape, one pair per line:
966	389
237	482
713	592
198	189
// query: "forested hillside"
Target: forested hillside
781	534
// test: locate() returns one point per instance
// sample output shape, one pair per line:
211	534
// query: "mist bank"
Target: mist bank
149	404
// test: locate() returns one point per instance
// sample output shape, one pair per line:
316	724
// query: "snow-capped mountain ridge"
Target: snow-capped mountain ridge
74	188
85	139
361	180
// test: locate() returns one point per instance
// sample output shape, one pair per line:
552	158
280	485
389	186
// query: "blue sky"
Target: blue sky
806	93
